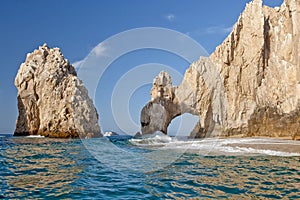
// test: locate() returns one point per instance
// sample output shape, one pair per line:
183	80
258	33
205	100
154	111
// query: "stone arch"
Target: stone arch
199	94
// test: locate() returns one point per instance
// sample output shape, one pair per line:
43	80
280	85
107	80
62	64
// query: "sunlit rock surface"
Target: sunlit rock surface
249	86
52	101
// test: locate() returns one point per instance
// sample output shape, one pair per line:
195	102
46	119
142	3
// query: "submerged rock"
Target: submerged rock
52	101
250	85
137	135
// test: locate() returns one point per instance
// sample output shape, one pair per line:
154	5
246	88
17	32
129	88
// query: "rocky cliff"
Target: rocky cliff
52	101
250	85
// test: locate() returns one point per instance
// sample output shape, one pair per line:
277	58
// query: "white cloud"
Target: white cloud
100	50
218	29
213	30
77	64
170	17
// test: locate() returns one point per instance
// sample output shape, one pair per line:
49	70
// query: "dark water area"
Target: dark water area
38	168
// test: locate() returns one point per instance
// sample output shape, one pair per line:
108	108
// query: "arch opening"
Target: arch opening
183	125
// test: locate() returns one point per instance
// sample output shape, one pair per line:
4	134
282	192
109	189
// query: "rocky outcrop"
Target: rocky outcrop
198	94
52	101
250	85
157	114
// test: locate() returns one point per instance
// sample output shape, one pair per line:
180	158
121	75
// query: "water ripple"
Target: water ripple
39	168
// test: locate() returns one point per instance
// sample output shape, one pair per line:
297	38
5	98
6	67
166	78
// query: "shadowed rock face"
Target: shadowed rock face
157	114
250	85
52	101
268	121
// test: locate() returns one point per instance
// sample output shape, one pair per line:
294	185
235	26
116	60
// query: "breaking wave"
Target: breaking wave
216	146
35	136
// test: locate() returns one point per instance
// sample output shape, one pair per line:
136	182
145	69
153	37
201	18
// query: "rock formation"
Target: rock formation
250	85
52	101
157	114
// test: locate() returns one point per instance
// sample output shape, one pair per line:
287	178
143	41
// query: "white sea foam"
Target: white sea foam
249	150
35	136
228	146
156	139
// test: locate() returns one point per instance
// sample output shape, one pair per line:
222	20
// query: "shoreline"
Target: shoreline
297	138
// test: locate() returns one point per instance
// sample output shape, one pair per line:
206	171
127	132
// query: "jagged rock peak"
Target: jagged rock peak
52	101
162	86
163	79
257	2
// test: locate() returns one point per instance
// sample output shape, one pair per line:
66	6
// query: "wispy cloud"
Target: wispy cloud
100	50
77	64
218	30
170	17
213	30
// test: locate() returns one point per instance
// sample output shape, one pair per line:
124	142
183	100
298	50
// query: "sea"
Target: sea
154	167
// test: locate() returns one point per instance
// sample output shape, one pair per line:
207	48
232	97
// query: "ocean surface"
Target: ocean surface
157	167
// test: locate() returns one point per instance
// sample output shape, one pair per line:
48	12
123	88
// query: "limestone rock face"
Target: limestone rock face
201	99
157	114
52	101
250	85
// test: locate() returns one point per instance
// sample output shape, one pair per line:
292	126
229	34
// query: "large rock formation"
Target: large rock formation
52	101
250	85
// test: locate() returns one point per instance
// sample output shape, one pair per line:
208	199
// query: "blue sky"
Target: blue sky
77	26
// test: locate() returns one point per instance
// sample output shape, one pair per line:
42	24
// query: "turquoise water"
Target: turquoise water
36	168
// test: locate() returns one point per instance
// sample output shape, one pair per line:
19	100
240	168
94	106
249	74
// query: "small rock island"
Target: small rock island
52	101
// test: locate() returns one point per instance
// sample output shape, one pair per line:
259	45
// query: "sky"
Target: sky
78	26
